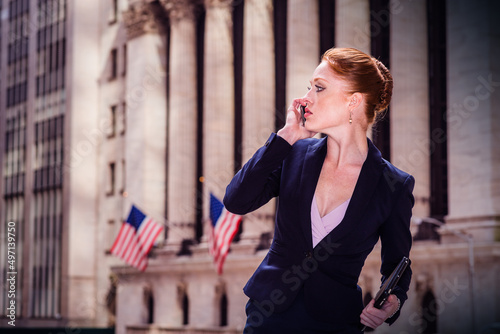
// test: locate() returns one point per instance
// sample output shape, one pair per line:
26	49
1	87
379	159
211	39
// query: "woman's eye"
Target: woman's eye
318	88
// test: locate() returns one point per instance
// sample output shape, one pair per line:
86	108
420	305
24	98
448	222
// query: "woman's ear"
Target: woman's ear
355	100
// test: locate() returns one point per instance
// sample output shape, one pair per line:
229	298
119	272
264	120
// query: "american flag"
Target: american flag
224	227
135	239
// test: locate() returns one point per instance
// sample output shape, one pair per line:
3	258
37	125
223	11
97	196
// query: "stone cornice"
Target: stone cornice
140	18
218	3
180	9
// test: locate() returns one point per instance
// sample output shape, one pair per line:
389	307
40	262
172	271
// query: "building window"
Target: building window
124	118
183	302
223	310
149	304
430	313
122	190
185	309
113	14
111	179
12	215
112	120
113	64
39	267
45	257
124	66
111	233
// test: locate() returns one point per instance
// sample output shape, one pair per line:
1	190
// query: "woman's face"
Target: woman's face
327	101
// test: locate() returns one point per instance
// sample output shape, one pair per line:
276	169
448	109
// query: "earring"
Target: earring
350	117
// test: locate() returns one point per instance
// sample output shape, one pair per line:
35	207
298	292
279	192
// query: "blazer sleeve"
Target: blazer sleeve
396	241
259	179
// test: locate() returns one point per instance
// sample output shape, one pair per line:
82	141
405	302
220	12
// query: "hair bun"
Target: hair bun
385	94
363	74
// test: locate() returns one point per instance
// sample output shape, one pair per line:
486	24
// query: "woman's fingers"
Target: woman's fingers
374	317
294	128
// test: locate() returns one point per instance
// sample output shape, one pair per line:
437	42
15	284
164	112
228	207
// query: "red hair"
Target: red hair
363	74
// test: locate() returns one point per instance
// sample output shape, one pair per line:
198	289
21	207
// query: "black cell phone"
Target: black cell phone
389	284
302	112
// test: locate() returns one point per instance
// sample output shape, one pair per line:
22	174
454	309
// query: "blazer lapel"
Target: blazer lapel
371	171
313	161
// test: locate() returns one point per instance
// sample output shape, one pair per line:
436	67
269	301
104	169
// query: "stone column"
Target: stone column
168	307
182	122
218	99
473	118
202	298
258	98
145	138
303	50
129	293
410	102
353	28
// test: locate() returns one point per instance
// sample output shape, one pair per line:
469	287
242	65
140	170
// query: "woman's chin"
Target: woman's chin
310	127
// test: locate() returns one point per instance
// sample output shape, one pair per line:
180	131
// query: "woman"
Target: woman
337	196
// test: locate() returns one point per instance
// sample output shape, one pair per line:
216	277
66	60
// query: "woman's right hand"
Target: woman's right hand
294	129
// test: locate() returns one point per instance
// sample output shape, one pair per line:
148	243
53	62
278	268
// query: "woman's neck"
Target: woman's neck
347	148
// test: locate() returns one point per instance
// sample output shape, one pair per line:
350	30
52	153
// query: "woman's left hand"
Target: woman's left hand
374	317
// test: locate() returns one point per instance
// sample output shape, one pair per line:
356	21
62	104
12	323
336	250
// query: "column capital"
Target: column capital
180	9
219	3
140	18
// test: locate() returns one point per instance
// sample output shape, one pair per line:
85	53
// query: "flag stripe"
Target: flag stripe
226	234
135	251
221	260
224	228
136	238
148	236
127	241
118	245
127	232
131	246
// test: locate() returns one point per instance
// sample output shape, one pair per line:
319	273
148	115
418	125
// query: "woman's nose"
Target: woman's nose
306	98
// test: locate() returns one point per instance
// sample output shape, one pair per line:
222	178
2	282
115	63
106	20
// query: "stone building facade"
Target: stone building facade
159	102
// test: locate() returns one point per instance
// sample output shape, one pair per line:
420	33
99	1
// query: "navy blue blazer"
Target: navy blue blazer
380	206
